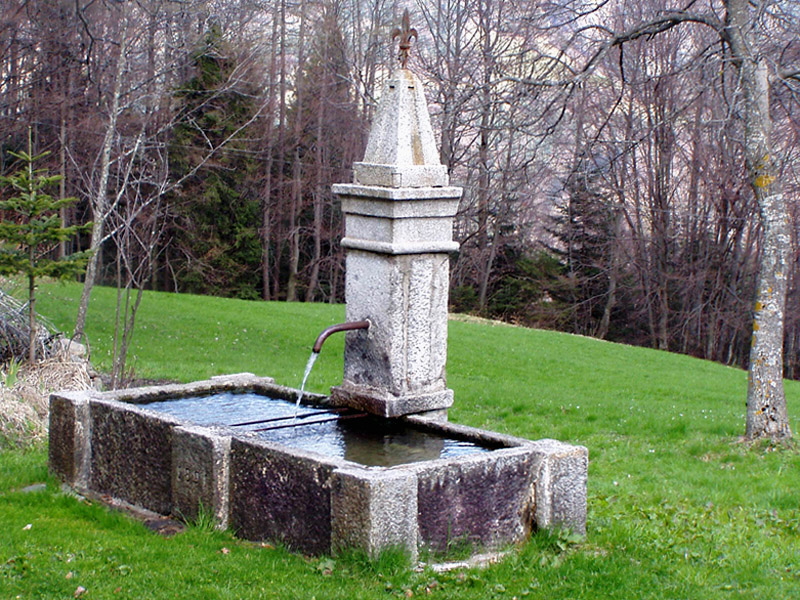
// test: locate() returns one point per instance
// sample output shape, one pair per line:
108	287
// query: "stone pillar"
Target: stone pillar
398	233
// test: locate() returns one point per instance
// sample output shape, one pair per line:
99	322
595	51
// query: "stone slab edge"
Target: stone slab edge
200	473
69	448
131	453
561	478
398	248
382	403
396	193
374	510
69	438
491	438
221	383
397	176
484	499
400	208
561	485
284	515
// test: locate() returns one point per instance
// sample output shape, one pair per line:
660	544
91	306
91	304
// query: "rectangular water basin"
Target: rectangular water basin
234	447
330	431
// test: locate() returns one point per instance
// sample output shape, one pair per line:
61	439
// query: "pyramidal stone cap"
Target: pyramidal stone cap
401	150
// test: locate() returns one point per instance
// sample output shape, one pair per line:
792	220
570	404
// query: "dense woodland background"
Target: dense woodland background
202	137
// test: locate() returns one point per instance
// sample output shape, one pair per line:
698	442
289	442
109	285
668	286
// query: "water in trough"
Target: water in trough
335	432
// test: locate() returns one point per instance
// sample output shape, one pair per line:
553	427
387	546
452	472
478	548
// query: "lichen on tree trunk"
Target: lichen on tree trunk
766	401
767	416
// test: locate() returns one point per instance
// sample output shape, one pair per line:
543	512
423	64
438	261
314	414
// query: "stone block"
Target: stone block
72	349
561	481
374	510
200	467
410	176
410	232
399	363
398	203
401	137
68	449
399	220
384	404
131	454
486	500
280	496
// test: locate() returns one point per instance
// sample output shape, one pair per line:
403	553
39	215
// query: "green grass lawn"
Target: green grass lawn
677	508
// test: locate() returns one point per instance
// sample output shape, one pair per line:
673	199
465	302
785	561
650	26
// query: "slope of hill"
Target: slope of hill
677	507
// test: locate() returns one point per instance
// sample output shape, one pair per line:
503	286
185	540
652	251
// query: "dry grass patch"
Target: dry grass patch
24	396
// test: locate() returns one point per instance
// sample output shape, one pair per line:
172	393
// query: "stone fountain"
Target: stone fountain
398	234
394	472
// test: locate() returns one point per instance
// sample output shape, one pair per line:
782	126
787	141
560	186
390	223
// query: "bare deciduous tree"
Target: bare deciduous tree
750	34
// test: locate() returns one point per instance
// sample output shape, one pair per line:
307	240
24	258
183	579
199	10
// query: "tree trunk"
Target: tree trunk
485	249
297	183
100	201
294	228
62	167
766	400
281	149
91	274
266	232
266	201
31	314
313	279
613	276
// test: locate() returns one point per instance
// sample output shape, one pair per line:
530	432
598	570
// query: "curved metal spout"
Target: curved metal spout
326	333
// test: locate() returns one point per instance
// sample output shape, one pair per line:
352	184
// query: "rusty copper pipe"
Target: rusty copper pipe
326	333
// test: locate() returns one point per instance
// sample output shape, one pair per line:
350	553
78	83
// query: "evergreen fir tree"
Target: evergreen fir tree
583	228
30	231
215	229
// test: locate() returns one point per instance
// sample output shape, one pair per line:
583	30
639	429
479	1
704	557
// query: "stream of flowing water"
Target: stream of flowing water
309	365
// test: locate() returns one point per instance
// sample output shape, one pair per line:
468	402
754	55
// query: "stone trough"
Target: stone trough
373	466
115	444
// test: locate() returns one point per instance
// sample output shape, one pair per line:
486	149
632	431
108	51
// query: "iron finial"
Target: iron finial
405	33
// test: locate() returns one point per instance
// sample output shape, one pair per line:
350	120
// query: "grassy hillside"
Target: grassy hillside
677	509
